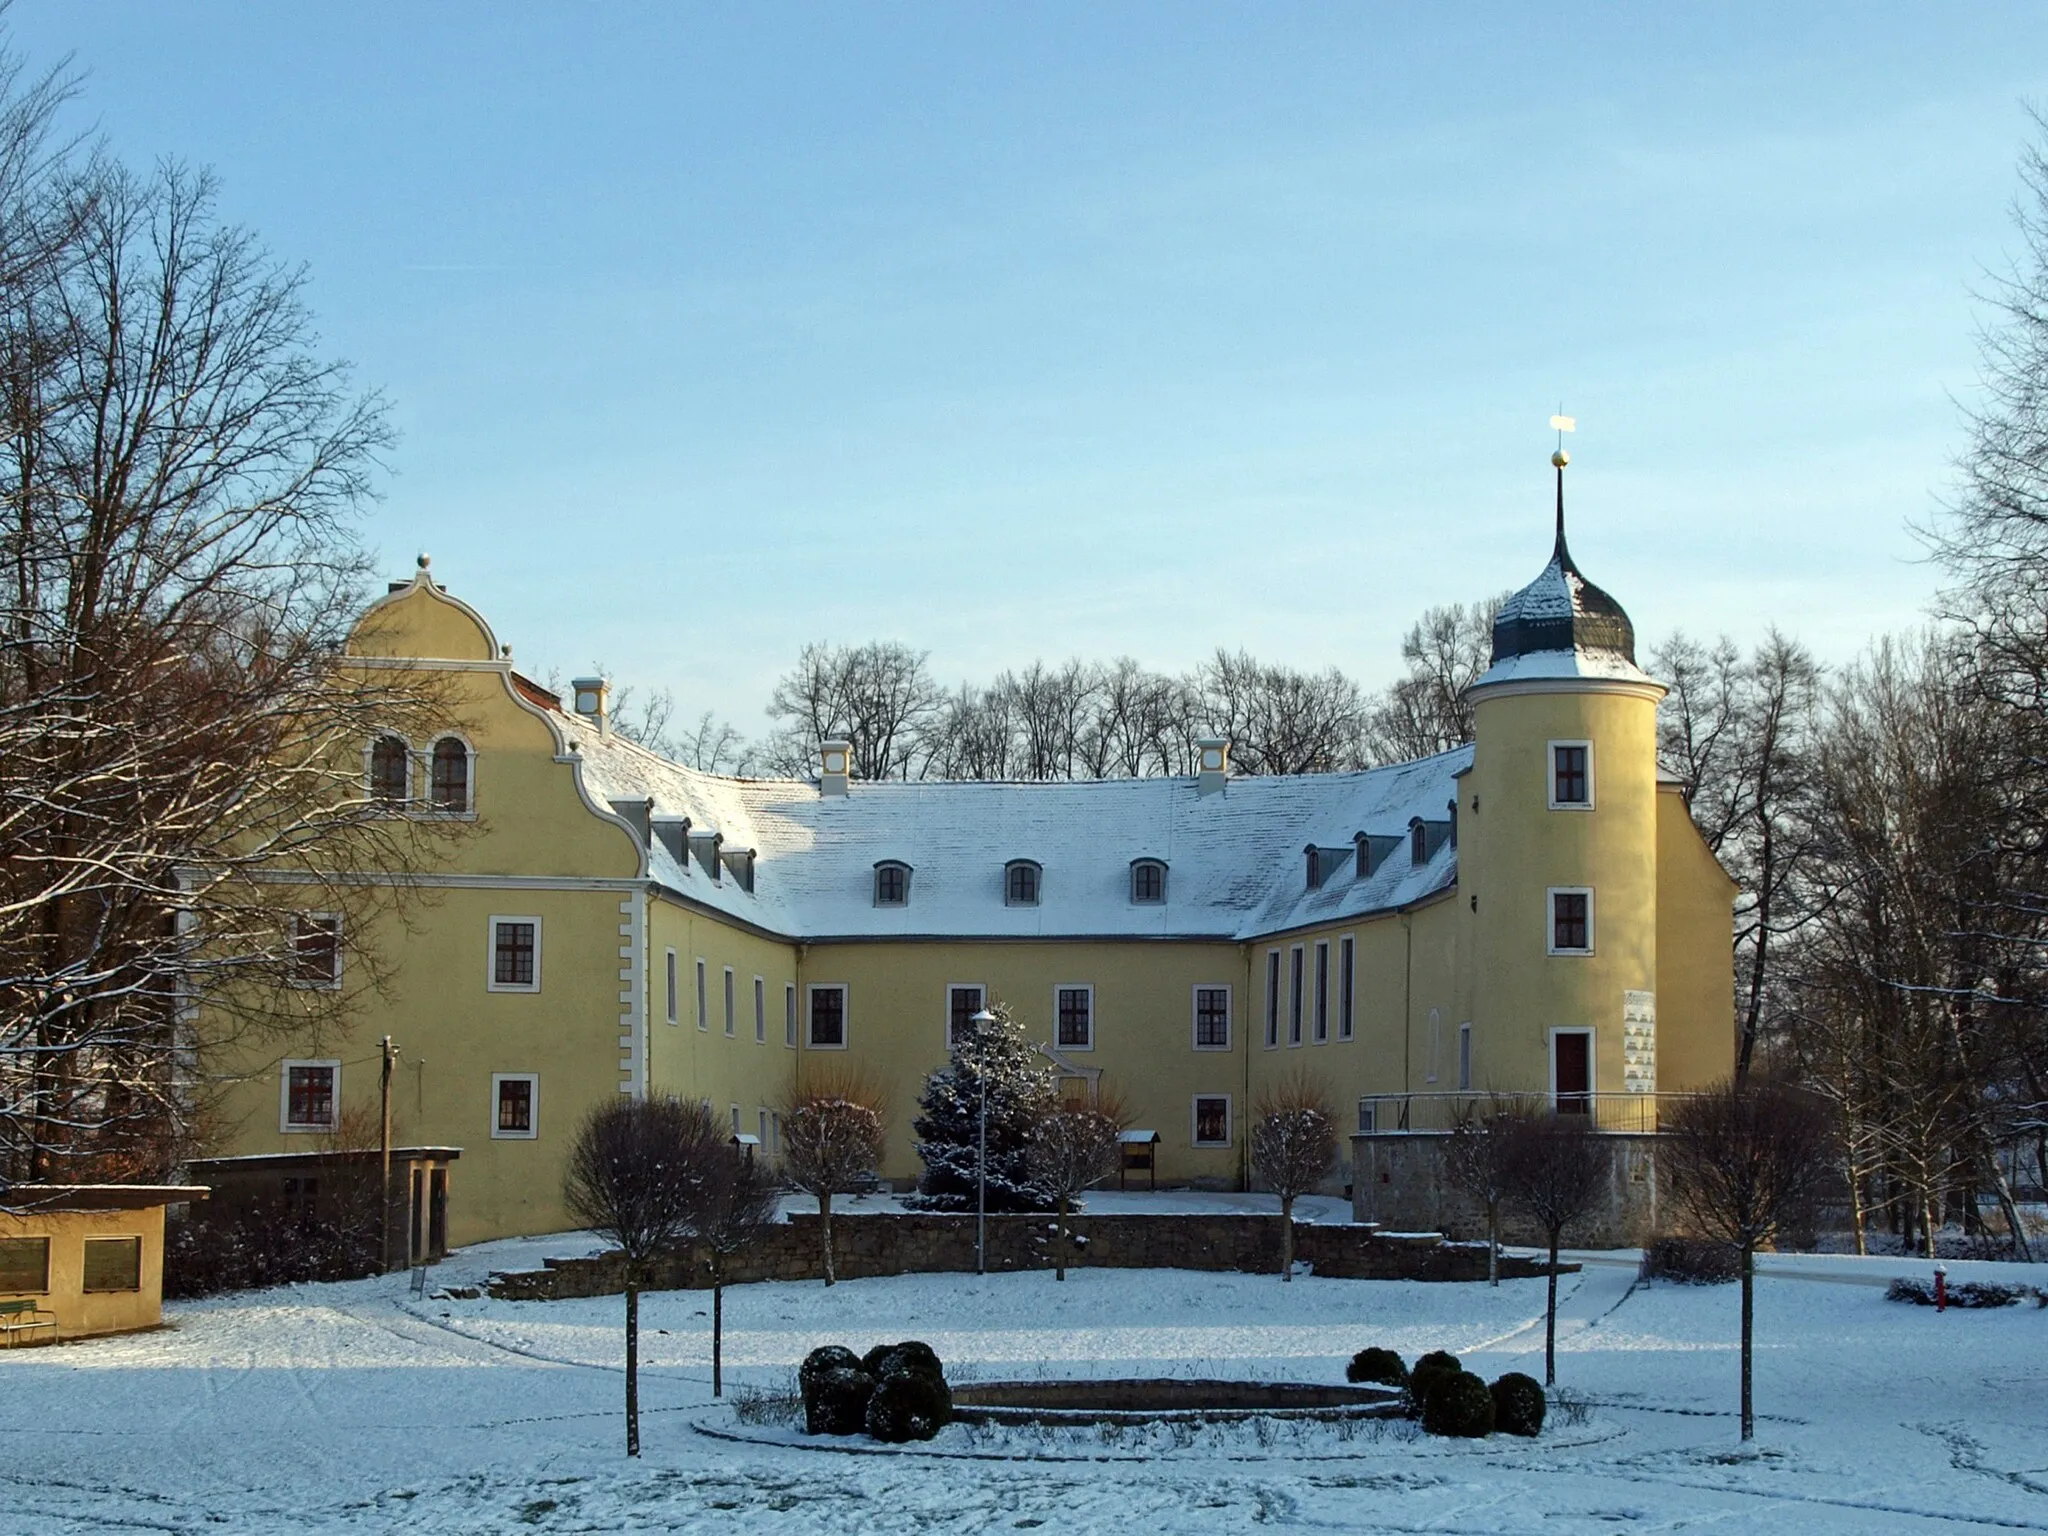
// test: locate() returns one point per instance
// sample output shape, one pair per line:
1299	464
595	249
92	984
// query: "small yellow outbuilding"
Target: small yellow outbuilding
83	1259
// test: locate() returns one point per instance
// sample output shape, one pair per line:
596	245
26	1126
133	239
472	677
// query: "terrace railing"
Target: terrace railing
1393	1114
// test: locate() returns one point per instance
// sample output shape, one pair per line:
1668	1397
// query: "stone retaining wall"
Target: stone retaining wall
924	1243
1401	1181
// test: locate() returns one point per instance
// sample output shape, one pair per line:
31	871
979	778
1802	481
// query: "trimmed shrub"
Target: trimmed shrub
1377	1365
828	1357
1518	1404
838	1403
1458	1404
1438	1360
1966	1293
911	1357
1691	1261
909	1405
1436	1363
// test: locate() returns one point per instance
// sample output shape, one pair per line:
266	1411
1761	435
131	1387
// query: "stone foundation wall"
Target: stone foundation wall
1400	1185
924	1243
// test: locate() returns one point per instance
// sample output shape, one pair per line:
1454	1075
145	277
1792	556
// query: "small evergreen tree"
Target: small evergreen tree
997	1060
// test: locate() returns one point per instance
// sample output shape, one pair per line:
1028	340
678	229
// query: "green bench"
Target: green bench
23	1316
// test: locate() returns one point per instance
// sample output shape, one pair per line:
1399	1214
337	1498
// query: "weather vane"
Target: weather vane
1563	424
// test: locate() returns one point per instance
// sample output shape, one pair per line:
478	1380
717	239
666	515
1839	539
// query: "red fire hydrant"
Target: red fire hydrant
1940	1289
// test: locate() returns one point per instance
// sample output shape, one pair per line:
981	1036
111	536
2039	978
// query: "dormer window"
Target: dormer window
390	770
1418	841
1148	882
1020	883
450	782
892	884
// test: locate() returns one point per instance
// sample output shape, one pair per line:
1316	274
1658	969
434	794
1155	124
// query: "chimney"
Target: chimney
593	696
834	775
1213	765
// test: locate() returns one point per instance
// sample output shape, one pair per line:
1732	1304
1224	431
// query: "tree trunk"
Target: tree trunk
1550	1318
1493	1242
825	1226
632	1366
717	1332
1287	1237
1059	1240
1748	1325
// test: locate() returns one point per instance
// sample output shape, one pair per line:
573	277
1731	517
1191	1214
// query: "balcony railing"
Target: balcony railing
1393	1114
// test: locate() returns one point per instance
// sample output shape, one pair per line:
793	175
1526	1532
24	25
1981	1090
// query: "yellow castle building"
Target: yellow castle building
1534	913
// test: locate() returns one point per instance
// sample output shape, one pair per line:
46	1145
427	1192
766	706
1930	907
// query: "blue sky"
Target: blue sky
1028	330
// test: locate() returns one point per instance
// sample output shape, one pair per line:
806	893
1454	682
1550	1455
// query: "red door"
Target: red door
1573	1052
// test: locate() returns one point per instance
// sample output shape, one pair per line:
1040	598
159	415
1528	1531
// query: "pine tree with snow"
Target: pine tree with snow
1019	1087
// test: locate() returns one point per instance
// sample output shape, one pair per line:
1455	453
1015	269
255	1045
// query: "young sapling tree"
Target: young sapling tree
831	1139
735	1206
1554	1169
1294	1146
1073	1148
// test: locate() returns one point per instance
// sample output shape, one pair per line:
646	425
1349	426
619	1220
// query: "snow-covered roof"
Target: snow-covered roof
1234	859
1580	661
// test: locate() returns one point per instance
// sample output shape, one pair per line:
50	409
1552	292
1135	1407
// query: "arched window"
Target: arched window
451	775
892	884
390	770
1020	883
1148	882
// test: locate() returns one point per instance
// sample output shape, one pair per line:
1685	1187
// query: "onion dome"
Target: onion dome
1560	610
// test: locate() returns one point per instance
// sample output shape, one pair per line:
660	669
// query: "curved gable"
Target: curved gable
419	620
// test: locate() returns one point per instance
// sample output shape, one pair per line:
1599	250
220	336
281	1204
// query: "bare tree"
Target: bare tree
1280	720
874	696
183	739
637	1177
1744	1160
735	1208
1555	1167
1293	1148
1476	1161
831	1140
1427	711
1073	1148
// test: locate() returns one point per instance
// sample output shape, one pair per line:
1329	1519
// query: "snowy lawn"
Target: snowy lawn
353	1408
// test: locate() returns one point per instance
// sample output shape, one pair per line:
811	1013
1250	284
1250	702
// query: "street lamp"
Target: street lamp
981	1022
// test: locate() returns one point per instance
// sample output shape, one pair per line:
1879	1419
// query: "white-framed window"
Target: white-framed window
674	1003
789	1014
732	1017
1021	879
703	997
1347	986
1570	909
1571	775
1295	960
1434	1045
1320	1019
451	777
1148	882
515	1106
316	950
892	883
766	1145
1464	1058
829	1023
760	1010
1212	1018
964	999
1571	1071
1272	999
515	955
1210	1120
309	1096
387	771
735	1119
1073	1015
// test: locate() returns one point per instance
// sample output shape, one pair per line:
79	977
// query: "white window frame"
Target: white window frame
1272	999
1073	986
1592	1057
736	1120
1195	1014
1149	901
284	1096
791	1025
1195	1120
532	1132
1550	773
703	995
675	1002
1037	882
1465	1057
423	804
1297	968
811	990
330	982
760	1010
491	982
1319	995
398	807
877	890
946	1024
1550	920
1347	986
732	1005
767	1146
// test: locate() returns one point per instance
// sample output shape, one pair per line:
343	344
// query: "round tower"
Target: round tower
1559	865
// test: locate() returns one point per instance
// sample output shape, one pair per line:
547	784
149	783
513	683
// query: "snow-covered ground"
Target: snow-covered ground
355	1408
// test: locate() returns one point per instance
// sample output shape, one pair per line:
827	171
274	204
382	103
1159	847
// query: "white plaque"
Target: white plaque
1639	1042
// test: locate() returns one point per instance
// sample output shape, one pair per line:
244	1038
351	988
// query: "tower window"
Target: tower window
1571	775
1571	921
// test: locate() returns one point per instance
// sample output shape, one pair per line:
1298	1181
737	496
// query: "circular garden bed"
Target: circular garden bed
1149	1400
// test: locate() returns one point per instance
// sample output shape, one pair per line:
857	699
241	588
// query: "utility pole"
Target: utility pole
390	1055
